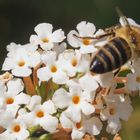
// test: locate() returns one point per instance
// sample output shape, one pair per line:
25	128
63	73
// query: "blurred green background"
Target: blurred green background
19	17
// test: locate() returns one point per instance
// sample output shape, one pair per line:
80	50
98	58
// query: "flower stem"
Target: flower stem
29	87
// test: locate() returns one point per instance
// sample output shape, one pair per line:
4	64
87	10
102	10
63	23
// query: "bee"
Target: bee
123	44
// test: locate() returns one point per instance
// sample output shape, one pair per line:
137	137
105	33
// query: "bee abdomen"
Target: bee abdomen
111	56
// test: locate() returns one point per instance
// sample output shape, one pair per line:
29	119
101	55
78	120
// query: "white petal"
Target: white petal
113	127
47	46
74	113
65	121
88	82
22	135
13	108
35	100
35	40
21	72
87	108
43	74
84	63
77	134
87	49
93	126
43	28
131	85
74	87
61	98
60	77
15	86
72	40
60	48
2	88
6	135
6	117
8	64
50	123
57	36
86	28
49	107
34	59
30	48
48	57
106	80
22	98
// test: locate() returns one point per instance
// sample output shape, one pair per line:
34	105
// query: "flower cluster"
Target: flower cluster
48	87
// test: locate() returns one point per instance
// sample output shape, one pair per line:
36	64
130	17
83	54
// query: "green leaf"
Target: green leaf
124	72
46	137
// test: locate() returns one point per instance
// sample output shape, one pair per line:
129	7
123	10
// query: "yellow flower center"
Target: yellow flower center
76	99
21	63
78	125
9	100
138	79
40	114
86	41
112	111
74	62
45	40
53	69
16	128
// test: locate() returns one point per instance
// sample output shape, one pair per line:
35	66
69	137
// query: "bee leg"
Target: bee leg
116	72
97	37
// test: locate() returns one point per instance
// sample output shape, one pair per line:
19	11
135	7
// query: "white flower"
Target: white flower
73	61
34	100
5	118
52	70
13	97
133	82
105	80
88	82
42	115
93	126
114	111
6	135
89	125
60	48
18	129
45	37
21	59
84	30
75	101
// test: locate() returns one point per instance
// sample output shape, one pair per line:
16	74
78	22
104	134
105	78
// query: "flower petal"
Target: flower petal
49	107
61	98
87	108
49	123
57	36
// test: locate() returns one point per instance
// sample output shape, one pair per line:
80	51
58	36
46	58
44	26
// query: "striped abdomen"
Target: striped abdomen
111	56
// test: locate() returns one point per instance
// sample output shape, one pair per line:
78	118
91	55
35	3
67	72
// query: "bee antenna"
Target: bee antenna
123	17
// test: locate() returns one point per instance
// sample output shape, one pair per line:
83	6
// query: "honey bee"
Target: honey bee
123	44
